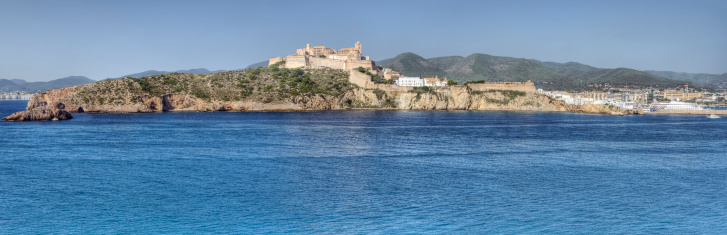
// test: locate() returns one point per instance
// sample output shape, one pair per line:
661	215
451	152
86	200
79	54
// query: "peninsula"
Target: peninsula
315	78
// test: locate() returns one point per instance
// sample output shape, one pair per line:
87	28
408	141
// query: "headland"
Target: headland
315	78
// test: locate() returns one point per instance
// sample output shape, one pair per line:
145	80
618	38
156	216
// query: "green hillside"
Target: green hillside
583	74
412	65
547	75
698	79
476	67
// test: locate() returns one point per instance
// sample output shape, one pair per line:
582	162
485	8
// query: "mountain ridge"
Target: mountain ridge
547	75
15	85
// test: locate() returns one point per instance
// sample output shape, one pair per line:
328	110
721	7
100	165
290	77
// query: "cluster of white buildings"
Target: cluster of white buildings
418	81
15	96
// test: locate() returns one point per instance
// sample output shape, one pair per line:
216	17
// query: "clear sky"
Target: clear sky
45	40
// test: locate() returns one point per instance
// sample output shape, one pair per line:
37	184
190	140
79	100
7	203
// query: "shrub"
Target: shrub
474	82
379	93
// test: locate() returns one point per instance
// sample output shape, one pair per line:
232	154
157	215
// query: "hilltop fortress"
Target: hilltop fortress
323	57
350	59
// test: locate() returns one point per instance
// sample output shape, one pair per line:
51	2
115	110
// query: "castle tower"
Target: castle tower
358	46
309	49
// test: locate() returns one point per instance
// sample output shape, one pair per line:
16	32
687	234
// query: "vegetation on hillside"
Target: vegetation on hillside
260	84
569	76
716	81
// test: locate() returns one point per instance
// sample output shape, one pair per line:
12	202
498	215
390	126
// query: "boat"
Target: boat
55	119
677	105
713	116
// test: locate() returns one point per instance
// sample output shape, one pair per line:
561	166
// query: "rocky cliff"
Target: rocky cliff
271	89
42	113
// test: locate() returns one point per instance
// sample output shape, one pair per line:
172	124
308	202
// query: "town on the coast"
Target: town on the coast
321	78
644	99
19	95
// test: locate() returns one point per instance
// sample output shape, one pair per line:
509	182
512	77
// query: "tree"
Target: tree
451	83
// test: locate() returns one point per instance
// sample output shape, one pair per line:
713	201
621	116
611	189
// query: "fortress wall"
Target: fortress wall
325	62
367	64
359	78
388	87
295	61
275	60
514	86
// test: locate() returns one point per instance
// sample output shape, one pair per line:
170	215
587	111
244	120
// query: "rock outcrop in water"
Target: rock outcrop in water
274	89
42	113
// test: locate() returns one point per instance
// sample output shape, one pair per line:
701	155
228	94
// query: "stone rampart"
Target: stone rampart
367	64
274	60
513	86
388	87
316	62
360	79
296	61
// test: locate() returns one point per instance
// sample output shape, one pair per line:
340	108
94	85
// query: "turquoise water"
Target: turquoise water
363	172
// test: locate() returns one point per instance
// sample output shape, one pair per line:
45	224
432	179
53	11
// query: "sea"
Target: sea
353	172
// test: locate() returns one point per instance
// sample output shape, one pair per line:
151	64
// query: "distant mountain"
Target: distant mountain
698	79
157	72
546	75
263	64
585	74
381	62
477	67
412	65
19	81
11	85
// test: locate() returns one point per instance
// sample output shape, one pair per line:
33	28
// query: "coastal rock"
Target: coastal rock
600	109
267	90
39	114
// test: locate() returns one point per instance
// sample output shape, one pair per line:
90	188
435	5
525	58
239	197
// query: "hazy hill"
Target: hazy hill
263	64
585	74
21	85
547	75
9	86
19	81
157	72
698	79
58	83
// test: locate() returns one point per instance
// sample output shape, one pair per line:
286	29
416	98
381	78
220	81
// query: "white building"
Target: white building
410	81
417	81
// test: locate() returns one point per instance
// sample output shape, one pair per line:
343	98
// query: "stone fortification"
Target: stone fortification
513	86
322	57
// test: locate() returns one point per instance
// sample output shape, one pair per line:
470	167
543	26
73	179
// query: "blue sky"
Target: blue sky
44	40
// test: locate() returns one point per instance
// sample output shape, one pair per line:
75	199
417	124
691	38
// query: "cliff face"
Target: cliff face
282	89
444	98
42	113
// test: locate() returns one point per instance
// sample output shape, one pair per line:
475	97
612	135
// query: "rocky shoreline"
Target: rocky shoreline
278	90
44	113
41	106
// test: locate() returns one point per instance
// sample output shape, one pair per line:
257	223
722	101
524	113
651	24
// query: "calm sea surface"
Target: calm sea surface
363	172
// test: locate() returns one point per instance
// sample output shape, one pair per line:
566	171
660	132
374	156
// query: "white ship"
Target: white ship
677	105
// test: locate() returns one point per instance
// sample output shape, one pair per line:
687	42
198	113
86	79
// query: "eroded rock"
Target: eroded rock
43	113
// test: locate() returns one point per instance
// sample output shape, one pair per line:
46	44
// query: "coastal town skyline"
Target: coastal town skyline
47	40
